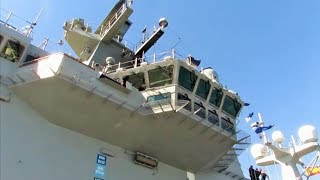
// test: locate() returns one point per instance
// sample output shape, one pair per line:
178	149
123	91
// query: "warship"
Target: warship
114	111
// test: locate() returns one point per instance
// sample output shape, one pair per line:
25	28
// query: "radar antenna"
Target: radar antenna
271	153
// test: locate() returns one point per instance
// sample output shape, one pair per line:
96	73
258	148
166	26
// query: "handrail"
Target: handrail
150	59
114	18
24	27
13	21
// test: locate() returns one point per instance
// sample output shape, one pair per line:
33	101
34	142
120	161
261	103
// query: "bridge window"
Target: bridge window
29	58
137	80
185	98
213	117
187	79
159	97
200	110
160	76
12	51
231	106
227	125
1	38
216	97
203	89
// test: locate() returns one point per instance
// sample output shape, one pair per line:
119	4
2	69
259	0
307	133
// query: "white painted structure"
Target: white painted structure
58	113
271	153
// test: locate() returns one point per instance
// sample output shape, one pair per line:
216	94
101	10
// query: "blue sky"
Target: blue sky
267	51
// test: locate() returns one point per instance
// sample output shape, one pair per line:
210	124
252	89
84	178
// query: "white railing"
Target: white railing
149	59
114	18
9	19
25	27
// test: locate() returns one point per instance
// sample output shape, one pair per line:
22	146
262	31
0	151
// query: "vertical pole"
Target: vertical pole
144	35
8	17
142	58
34	23
136	62
173	54
264	138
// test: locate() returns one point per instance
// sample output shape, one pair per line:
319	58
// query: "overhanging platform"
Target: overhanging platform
68	94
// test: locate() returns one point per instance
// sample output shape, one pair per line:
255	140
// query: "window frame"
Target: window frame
213	112
159	97
225	107
188	106
206	89
216	90
227	125
201	111
164	81
192	74
139	88
20	48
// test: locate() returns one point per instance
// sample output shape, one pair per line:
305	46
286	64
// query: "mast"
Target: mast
32	24
271	153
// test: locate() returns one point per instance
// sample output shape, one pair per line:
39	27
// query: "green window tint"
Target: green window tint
159	97
187	79
231	106
216	97
137	80
12	51
161	76
203	89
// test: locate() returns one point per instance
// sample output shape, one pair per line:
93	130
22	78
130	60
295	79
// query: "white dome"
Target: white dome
307	134
163	22
277	137
110	60
211	74
258	151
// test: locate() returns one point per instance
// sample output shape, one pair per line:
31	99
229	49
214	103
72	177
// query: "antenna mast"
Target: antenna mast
271	153
32	24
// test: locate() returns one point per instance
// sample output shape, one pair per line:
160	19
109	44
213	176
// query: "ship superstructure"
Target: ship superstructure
159	112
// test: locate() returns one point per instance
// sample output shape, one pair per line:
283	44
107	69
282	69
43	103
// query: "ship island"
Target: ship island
111	112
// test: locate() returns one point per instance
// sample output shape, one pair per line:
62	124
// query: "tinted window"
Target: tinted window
216	97
200	110
137	80
231	106
203	89
185	97
213	117
160	76
187	79
29	58
227	125
12	51
159	97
